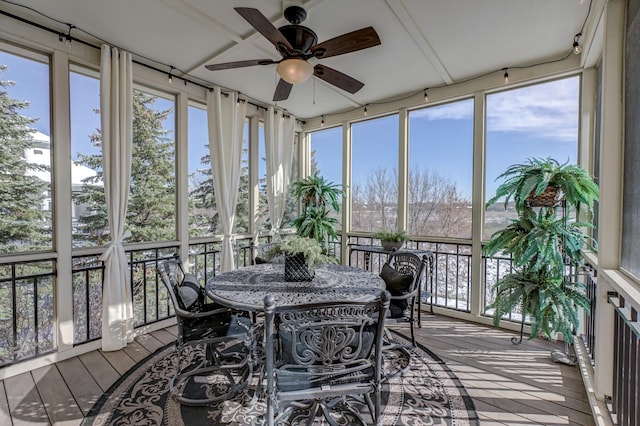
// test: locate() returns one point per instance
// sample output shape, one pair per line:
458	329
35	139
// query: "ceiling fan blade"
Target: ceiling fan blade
346	43
239	64
338	79
282	91
264	27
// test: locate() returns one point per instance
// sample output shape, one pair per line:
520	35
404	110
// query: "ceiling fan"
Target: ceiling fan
296	44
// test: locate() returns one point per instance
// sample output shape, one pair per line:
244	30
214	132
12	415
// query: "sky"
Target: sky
534	121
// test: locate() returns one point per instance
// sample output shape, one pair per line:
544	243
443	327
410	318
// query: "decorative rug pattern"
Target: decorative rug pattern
427	393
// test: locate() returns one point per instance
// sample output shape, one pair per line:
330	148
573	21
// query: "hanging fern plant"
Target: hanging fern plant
541	245
549	302
531	178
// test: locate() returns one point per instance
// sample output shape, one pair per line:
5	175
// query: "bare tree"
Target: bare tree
435	207
382	198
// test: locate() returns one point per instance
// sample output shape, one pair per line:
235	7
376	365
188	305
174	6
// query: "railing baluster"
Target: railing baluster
625	401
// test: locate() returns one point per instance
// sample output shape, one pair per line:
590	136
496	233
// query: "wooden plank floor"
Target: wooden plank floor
509	384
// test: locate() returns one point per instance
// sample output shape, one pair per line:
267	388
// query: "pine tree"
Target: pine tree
152	199
205	220
24	224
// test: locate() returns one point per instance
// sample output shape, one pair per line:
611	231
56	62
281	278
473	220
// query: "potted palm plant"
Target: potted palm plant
543	182
320	200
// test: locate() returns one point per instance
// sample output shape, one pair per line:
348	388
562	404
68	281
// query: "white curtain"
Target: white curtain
226	118
278	132
116	117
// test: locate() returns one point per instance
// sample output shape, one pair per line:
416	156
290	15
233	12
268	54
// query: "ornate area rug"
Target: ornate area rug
427	393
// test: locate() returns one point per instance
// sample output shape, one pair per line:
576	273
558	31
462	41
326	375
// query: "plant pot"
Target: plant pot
390	245
549	198
295	268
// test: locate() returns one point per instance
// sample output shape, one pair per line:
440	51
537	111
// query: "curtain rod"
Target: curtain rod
86	43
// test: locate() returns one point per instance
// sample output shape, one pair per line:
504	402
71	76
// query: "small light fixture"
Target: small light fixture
506	76
294	70
68	38
426	95
577	49
365	111
171	76
322	122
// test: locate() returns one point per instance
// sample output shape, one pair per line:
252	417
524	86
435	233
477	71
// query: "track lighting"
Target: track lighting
506	76
577	49
171	76
426	95
365	110
322	122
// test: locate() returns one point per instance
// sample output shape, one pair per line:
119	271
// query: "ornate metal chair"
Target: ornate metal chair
403	274
213	344
324	357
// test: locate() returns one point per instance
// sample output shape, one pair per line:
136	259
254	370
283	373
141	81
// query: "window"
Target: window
597	135
89	220
25	196
263	204
441	170
241	223
151	213
534	121
326	157
630	250
291	211
203	219
374	174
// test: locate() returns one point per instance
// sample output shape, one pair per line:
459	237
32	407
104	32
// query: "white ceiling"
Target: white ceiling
425	43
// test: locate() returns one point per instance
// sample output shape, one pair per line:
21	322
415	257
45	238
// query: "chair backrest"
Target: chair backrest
409	263
313	347
259	252
173	277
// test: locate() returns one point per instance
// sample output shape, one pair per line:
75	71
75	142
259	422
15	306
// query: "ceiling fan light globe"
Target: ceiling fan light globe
294	70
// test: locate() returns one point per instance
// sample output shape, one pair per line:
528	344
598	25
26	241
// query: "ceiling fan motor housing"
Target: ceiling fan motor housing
299	37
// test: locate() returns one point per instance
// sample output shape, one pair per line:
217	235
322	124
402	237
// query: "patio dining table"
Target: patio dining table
245	288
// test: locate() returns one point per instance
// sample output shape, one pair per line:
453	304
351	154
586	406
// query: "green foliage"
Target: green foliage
316	191
24	222
313	251
316	223
541	244
151	209
394	236
532	177
550	302
316	195
539	241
